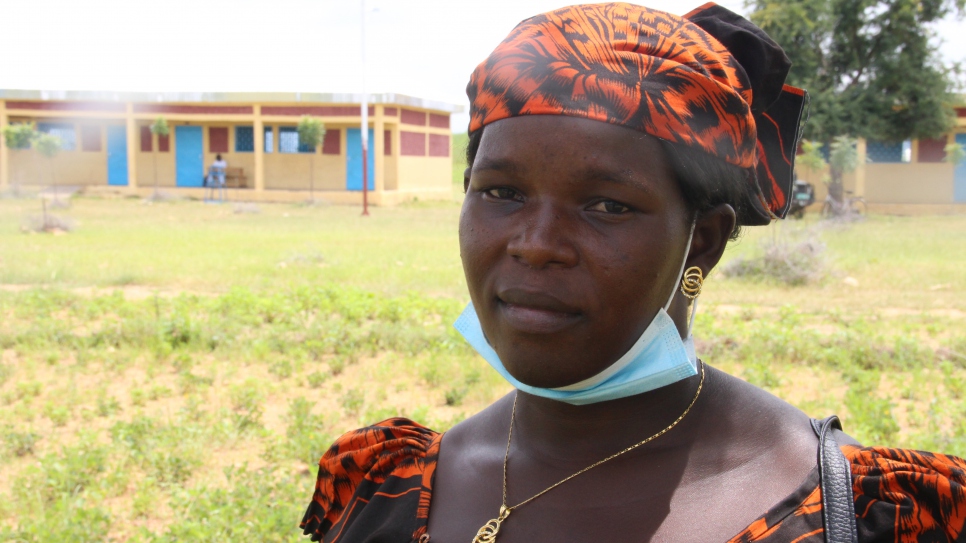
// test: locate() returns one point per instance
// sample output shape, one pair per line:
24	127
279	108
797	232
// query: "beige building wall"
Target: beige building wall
913	183
432	173
75	167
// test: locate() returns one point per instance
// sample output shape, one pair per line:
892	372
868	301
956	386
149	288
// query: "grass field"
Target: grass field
173	371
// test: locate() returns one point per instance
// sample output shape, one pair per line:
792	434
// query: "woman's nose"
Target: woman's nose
544	240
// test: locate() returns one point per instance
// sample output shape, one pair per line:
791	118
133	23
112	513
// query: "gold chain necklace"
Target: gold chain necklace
487	534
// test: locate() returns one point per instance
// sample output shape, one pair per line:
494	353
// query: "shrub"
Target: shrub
792	262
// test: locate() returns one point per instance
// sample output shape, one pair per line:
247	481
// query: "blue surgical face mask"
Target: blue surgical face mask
657	359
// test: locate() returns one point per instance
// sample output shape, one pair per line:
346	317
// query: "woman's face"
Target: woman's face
572	236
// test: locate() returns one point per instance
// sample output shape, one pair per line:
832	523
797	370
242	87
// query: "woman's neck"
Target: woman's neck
570	434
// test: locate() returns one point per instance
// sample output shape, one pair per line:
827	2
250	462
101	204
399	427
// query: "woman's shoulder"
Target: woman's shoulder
378	474
908	495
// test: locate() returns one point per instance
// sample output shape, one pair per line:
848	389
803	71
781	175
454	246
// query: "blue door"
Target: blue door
353	160
116	155
959	183
189	164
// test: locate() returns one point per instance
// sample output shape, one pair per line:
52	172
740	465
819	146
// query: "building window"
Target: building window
146	145
164	143
217	139
932	150
438	145
438	121
412	143
91	138
64	131
880	152
413	117
288	141
387	142
332	144
244	139
269	140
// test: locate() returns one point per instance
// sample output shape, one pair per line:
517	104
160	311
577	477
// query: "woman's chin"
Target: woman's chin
562	374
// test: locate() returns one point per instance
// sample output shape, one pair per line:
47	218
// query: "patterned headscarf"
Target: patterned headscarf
710	80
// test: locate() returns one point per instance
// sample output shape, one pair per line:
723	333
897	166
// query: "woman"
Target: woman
614	151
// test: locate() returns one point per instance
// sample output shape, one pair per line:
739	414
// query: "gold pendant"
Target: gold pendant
487	533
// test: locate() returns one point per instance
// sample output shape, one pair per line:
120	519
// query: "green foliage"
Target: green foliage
811	156
869	65
20	443
160	127
843	156
352	401
19	135
955	153
311	131
256	505
48	145
246	399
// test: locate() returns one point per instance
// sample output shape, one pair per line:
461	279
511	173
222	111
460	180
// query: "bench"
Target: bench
235	178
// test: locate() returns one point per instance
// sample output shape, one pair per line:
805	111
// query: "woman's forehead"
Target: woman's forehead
523	143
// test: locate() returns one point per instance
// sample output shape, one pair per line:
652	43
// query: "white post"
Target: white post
364	107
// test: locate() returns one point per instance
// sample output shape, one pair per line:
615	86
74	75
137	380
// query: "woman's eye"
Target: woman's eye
611	207
502	193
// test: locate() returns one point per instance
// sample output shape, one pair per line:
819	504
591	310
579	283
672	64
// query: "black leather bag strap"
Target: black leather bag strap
835	473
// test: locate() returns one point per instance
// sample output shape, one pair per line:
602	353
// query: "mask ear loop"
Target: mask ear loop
684	262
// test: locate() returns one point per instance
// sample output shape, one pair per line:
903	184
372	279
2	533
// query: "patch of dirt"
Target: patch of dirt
130	292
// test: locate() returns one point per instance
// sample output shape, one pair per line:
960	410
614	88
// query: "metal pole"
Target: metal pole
365	121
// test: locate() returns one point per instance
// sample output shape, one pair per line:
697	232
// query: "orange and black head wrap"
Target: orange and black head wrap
711	80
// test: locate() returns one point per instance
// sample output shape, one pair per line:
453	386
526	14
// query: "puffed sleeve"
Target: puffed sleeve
908	496
371	483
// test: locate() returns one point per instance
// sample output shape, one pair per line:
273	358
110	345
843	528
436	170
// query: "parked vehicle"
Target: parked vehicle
803	195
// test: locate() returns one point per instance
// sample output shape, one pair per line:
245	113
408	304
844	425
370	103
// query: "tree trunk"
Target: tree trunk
835	188
154	155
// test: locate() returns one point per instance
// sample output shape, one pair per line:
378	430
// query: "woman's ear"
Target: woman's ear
466	179
712	231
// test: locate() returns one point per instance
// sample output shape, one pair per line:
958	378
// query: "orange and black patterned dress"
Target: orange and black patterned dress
375	485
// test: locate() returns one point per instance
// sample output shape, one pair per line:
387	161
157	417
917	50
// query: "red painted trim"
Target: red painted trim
217	139
387	142
438	145
932	150
332	143
412	143
322	111
67	106
146	144
391	111
198	110
438	121
417	118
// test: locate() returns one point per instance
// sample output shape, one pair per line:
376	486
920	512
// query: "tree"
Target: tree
159	129
868	65
20	135
311	133
48	145
955	153
843	158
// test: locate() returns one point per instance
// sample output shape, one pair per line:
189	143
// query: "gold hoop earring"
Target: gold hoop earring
691	285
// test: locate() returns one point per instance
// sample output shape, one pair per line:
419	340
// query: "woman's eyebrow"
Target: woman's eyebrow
623	177
502	165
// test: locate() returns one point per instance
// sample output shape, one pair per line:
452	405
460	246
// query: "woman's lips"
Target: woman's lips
536	313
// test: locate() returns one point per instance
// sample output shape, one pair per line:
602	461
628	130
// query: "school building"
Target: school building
107	144
910	176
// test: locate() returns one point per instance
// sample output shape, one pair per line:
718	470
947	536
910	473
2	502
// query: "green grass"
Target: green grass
173	371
